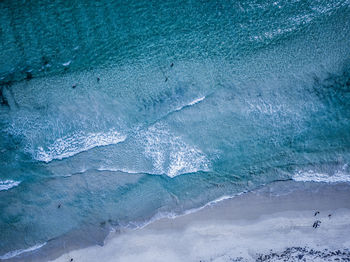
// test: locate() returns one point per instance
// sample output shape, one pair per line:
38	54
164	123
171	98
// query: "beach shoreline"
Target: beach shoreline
267	224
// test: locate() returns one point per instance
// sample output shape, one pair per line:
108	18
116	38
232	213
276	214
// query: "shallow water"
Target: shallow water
114	112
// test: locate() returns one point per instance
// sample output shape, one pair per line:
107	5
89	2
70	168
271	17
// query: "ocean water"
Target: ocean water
113	113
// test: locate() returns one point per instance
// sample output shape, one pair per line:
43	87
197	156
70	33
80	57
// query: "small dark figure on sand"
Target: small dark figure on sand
59	206
71	260
316	213
172	64
74	86
329	216
98	79
316	224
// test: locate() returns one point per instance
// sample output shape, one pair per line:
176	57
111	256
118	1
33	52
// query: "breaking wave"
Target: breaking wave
8	184
71	145
15	253
313	176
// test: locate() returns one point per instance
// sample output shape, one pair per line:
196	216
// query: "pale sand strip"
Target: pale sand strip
240	227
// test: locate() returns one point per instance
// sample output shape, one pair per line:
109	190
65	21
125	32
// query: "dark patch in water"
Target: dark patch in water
29	76
3	99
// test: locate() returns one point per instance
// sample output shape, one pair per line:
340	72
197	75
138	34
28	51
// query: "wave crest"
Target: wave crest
68	146
8	184
15	253
171	155
312	176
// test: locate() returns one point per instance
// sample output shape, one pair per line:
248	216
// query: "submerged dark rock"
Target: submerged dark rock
29	75
45	60
3	100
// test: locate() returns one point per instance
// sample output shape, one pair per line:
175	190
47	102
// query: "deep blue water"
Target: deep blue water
114	112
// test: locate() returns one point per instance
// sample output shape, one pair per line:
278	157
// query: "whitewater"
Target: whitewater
116	115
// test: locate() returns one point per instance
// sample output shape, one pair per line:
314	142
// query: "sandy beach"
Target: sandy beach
174	131
273	223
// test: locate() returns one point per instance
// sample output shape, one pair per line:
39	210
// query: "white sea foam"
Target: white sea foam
15	253
171	155
71	145
67	63
173	215
211	203
8	184
196	101
123	170
312	176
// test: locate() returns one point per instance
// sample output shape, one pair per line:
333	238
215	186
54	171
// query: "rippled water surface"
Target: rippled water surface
113	113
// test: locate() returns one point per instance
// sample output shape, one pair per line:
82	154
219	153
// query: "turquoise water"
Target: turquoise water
113	113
